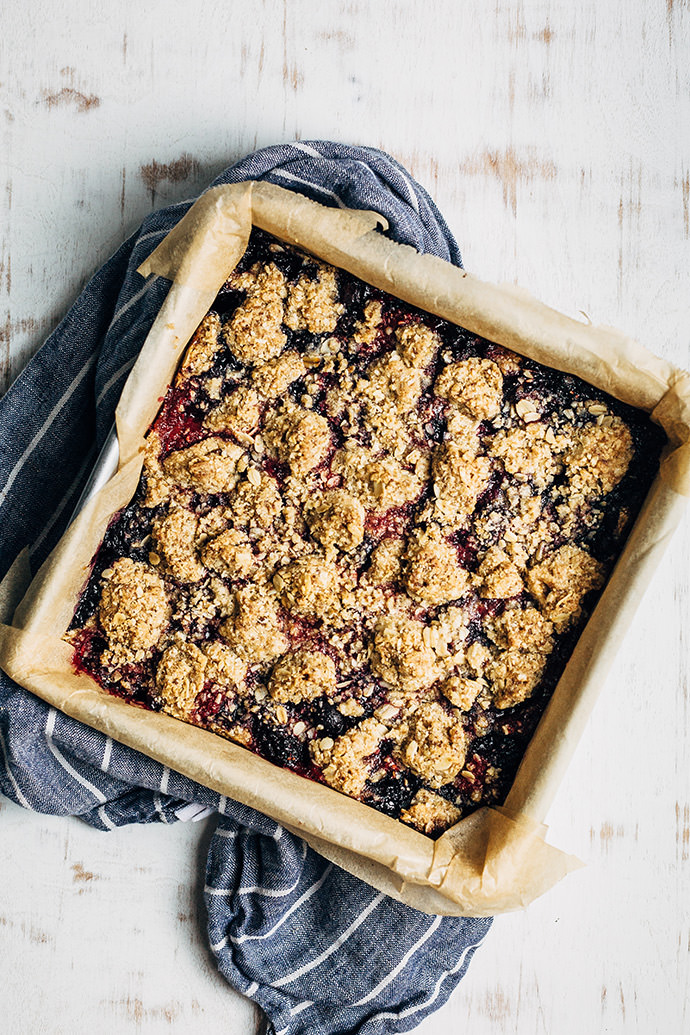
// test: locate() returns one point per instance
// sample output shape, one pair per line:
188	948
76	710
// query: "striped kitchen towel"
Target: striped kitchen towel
320	951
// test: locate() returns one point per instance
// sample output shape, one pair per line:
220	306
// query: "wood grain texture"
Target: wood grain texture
554	137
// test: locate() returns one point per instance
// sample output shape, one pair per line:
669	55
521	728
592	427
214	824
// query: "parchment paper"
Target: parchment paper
496	859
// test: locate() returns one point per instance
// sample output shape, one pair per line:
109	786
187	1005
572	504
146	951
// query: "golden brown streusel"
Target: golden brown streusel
256	503
336	518
525	451
400	655
367	329
385	561
275	377
310	587
344	763
378	483
300	439
158	485
474	384
224	667
477	656
174	536
599	458
499	577
463	431
417	344
434	744
526	639
312	305
514	676
462	692
392	381
180	678
254	333
302	675
201	351
433	574
254	630
209	465
523	629
560	583
230	554
430	813
133	608
351	707
239	413
460	478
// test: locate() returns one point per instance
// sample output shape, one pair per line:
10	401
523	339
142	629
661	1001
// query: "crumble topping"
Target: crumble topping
500	577
302	676
434	744
134	608
526	451
367	329
462	692
392	381
201	351
600	457
522	629
336	518
309	586
275	377
174	536
433	574
474	385
417	344
230	554
256	500
254	630
514	676
312	304
224	667
430	813
560	583
460	477
180	678
345	763
209	465
239	413
300	439
363	541
401	656
385	561
525	637
157	485
254	333
477	656
379	484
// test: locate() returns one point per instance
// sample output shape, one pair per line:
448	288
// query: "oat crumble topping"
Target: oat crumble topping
475	385
434	744
430	813
364	541
133	608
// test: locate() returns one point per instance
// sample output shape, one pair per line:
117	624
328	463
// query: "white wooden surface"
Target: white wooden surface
554	137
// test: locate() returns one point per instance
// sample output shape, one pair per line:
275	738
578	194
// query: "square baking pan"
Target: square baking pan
495	859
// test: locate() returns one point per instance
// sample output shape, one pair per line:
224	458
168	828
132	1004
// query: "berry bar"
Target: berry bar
364	541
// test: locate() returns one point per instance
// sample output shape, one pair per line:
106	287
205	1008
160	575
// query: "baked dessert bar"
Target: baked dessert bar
364	541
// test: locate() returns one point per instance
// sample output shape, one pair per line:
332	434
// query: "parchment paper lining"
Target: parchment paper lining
496	859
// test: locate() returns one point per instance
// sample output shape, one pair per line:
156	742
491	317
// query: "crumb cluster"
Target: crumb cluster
364	540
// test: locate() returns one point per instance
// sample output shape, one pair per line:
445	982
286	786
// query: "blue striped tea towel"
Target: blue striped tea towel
320	951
